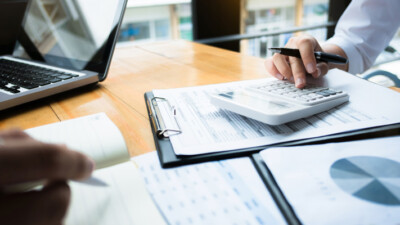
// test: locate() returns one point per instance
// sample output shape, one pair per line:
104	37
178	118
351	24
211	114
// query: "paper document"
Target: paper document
222	192
206	128
342	183
123	200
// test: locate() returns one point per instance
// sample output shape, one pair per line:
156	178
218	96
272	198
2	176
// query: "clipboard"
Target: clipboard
168	158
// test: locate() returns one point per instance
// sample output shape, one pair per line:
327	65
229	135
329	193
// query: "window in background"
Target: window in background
184	12
135	31
316	12
271	15
154	20
162	29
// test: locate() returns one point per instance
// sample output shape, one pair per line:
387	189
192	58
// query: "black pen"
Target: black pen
320	56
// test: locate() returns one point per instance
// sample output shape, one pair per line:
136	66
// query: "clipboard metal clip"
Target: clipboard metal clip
162	131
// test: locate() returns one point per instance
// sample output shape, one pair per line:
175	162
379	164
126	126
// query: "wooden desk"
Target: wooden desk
134	71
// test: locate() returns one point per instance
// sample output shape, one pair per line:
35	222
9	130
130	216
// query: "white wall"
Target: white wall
146	14
269	4
141	3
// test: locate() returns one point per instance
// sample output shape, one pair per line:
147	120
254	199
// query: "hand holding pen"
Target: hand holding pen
303	55
24	160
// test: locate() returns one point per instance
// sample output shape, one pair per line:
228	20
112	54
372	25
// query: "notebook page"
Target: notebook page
94	135
124	199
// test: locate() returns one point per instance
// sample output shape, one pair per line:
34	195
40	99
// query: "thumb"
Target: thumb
322	69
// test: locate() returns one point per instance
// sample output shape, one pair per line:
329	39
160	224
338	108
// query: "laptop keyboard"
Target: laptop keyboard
16	77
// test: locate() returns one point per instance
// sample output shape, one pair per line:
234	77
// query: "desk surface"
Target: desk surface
134	71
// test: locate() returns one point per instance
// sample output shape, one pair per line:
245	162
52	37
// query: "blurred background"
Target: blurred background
154	20
246	26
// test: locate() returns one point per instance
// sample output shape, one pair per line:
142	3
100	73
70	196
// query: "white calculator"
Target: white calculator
278	102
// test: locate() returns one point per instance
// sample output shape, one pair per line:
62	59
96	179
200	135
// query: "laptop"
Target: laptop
48	47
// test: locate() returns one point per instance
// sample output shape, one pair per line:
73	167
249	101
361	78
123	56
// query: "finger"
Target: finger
298	71
47	206
322	69
32	161
13	134
271	68
282	65
306	48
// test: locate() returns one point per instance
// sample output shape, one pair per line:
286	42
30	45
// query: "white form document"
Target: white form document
222	192
206	128
341	183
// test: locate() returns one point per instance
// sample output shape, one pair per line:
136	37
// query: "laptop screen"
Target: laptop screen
11	16
73	34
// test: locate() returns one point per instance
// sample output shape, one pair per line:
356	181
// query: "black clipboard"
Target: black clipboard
168	158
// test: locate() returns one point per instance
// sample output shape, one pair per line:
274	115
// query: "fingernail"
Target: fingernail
319	72
300	82
91	164
279	76
310	68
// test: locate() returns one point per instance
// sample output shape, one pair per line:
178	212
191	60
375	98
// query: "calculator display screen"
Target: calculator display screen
259	102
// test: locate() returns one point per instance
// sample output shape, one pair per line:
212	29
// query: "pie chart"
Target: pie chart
373	179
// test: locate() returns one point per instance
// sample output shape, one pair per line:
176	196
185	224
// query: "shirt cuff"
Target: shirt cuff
356	64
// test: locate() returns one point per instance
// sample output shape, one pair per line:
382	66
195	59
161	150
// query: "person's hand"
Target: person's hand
295	69
23	159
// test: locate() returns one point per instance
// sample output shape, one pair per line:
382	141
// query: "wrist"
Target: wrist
334	49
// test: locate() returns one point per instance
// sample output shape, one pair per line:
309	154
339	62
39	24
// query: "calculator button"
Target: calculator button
323	93
309	95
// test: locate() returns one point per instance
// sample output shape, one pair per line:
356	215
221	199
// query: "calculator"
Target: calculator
278	102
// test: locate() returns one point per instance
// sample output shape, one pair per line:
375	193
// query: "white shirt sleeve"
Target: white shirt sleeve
365	30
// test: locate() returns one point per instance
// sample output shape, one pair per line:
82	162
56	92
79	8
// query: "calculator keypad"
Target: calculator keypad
309	95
